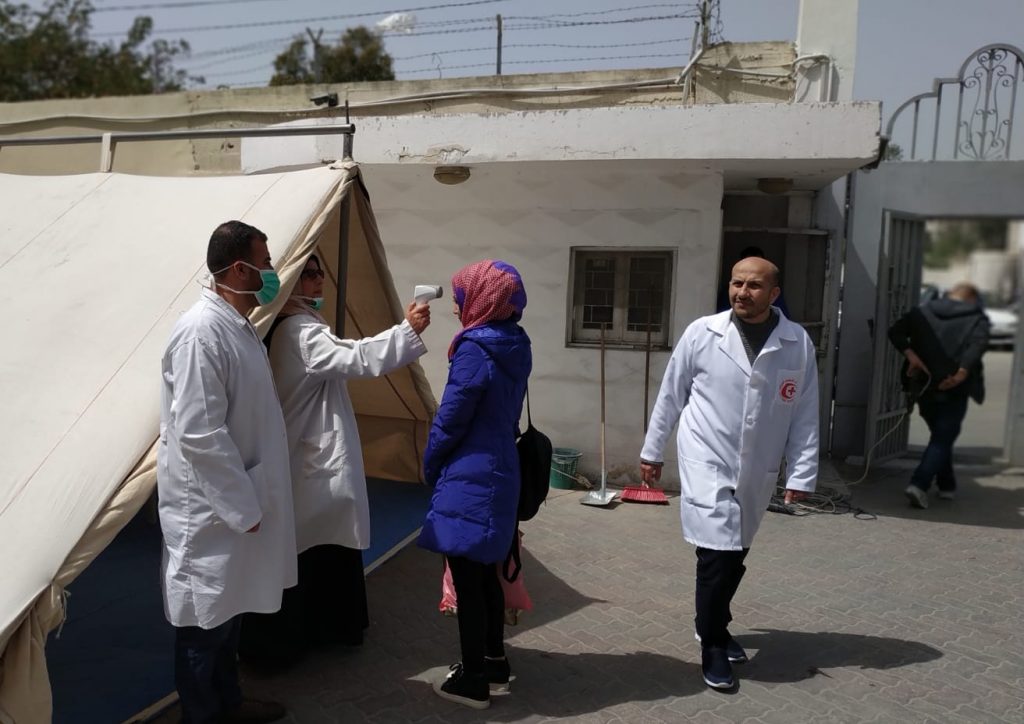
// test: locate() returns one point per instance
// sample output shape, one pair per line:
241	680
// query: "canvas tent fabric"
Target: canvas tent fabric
94	271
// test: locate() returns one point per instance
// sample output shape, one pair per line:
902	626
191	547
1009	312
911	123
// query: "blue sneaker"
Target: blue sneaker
714	664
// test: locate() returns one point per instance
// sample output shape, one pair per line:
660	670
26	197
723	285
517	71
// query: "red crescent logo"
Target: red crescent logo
788	390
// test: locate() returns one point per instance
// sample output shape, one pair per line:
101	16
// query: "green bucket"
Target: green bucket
563	467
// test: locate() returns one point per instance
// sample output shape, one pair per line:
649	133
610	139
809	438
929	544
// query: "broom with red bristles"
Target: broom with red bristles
644	493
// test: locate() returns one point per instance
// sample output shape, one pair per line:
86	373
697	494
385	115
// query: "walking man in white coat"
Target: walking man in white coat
223	480
743	387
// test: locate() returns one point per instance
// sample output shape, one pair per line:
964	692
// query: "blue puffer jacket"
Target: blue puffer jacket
471	457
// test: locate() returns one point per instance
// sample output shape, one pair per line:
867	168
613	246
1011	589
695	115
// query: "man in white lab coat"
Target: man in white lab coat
742	385
223	480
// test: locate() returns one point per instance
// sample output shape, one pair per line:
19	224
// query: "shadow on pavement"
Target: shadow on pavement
788	656
988	494
567	685
557	600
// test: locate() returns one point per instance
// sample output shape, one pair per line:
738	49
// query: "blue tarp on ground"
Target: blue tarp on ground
114	656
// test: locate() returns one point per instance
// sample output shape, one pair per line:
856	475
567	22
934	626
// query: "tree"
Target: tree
48	54
949	241
893	152
359	56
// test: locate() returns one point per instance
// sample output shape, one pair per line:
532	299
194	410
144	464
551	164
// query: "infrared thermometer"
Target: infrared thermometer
423	293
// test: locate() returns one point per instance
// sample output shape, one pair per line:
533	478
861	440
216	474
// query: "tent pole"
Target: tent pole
339	309
346	140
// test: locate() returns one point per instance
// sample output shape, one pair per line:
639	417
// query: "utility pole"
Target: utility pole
499	44
705	23
318	68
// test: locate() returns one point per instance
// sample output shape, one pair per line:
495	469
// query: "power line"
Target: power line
581	23
490	48
234	49
609	45
172	5
264	45
477	29
443	52
545	26
264	66
230	58
544	61
599	12
304	21
276	42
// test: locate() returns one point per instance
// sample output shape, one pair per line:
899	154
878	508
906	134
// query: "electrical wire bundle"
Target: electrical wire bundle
824	502
833	502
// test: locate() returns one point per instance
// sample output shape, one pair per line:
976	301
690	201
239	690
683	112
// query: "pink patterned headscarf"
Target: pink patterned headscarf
487	291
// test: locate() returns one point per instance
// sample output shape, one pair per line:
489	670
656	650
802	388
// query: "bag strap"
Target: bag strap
513	558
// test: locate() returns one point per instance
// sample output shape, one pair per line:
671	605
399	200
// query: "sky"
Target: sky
902	44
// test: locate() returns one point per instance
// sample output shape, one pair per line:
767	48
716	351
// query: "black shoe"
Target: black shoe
499	675
715	666
733	650
470	690
253	711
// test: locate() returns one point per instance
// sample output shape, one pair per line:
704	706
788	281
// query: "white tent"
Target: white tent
94	270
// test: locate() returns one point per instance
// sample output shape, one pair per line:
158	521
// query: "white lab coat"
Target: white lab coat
735	425
222	467
328	480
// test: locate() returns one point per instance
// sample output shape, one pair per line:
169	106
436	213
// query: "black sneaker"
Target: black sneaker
735	652
470	690
499	675
715	666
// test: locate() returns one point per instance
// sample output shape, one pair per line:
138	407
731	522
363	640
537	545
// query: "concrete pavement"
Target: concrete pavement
910	616
895	615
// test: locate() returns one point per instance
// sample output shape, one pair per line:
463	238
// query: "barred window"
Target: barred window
627	293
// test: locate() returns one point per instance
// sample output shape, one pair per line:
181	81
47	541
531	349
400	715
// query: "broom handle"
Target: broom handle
647	359
603	469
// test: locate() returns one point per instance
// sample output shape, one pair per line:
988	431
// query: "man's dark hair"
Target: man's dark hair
231	242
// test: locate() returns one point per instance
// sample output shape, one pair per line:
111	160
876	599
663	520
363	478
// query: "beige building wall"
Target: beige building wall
532	215
719	79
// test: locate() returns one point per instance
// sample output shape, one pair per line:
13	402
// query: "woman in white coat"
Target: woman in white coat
332	514
742	386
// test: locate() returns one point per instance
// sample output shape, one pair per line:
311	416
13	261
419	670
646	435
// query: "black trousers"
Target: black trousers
944	413
327	606
718	576
481	611
206	671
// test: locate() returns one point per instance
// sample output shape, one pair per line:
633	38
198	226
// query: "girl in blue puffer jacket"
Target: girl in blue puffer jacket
472	463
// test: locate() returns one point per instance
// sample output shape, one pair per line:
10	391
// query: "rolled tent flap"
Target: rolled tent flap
94	271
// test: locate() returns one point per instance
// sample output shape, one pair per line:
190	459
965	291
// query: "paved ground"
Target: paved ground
913	616
898	616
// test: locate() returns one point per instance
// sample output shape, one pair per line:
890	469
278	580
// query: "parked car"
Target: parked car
1003	331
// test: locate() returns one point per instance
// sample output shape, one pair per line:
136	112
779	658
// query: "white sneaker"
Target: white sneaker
917	497
947	494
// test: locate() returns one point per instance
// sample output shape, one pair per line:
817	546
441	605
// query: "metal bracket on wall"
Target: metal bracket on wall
108	141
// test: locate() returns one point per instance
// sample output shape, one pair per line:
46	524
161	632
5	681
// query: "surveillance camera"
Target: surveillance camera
328	99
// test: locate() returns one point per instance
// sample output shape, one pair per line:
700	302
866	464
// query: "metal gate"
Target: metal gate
899	289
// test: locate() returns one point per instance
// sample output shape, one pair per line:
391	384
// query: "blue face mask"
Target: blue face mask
267	292
316	303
